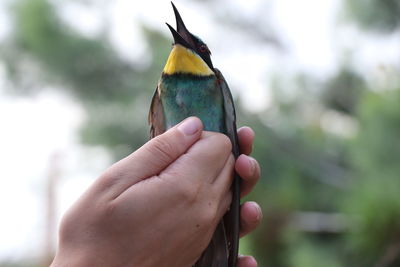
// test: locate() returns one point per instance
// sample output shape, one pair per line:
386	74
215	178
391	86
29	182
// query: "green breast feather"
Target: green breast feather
184	95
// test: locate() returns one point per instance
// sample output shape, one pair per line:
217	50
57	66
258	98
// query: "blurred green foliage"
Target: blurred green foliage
305	166
375	15
90	70
343	92
374	198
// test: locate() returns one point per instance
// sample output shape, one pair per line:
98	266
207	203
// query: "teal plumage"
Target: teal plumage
186	95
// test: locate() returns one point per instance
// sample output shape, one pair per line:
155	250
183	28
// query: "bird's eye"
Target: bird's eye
203	48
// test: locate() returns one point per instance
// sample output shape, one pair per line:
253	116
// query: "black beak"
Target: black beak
182	31
177	37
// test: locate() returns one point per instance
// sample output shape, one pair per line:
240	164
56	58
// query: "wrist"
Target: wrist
72	259
84	258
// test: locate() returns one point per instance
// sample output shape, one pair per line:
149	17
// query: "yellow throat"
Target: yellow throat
183	60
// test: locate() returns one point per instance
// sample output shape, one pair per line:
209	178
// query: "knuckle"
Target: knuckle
225	142
109	178
109	210
220	142
164	149
189	192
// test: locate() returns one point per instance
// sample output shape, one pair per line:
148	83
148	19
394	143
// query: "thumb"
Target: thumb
161	151
155	155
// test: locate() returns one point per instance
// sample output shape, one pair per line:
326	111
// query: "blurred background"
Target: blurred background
318	81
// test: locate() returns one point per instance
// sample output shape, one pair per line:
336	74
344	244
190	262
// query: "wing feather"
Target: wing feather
231	218
156	115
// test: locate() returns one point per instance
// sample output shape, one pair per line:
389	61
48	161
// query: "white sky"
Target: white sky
33	129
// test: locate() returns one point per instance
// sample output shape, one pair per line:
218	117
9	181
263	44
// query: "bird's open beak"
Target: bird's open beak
181	35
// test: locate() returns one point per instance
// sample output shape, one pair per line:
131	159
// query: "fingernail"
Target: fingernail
190	126
256	208
252	163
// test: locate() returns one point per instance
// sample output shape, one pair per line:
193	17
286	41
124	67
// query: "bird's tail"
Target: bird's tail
216	254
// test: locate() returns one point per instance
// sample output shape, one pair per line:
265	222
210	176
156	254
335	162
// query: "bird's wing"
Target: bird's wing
156	115
230	113
231	218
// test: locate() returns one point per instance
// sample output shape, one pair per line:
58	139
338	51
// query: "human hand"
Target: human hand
142	198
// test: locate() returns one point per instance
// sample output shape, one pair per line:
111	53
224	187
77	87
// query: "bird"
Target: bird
191	86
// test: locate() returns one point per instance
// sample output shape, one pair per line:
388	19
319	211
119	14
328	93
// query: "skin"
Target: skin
160	205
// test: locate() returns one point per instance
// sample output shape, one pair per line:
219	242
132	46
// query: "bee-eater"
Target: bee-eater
191	86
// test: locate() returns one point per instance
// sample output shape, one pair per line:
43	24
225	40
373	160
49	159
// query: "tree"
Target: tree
112	90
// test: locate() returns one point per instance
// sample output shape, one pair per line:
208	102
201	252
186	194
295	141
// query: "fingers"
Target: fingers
154	156
204	173
246	261
249	169
250	217
203	162
246	138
